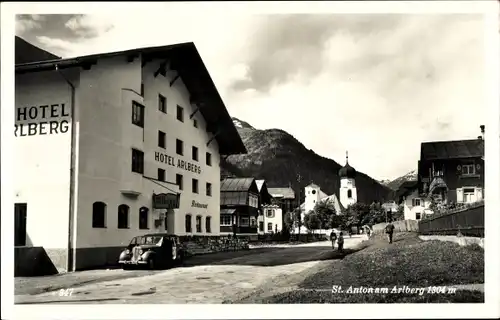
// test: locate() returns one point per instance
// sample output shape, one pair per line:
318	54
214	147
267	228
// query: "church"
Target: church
347	194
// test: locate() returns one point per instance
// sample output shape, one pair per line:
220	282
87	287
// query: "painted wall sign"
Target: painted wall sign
199	205
166	201
171	161
42	120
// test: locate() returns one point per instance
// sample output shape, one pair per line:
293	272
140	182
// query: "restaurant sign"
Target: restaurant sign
166	201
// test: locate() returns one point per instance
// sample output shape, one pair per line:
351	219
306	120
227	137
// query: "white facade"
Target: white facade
104	137
414	206
348	194
313	196
271	220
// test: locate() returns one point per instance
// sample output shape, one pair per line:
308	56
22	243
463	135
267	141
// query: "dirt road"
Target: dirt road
208	279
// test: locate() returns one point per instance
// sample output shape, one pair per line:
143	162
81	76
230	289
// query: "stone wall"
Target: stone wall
204	245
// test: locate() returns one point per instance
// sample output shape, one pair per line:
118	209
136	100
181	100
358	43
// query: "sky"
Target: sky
375	85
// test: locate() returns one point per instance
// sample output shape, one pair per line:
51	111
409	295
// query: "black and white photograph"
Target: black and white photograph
199	153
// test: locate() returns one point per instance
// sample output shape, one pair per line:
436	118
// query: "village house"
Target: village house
270	218
413	205
239	207
112	146
451	171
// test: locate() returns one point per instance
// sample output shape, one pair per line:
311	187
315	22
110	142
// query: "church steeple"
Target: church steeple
347	171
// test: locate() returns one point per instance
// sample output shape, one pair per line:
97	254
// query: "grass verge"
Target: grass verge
408	261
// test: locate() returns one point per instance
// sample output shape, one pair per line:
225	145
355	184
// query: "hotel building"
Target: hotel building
112	146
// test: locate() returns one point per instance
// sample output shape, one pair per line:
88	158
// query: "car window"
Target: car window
133	241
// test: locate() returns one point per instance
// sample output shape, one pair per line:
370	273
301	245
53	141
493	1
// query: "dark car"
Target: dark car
152	251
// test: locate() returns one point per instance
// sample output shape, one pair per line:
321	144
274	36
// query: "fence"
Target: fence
467	221
399	226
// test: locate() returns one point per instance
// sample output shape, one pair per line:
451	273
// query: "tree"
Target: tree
312	221
325	212
289	221
399	215
376	214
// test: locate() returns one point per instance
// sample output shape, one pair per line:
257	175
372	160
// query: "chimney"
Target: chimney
482	131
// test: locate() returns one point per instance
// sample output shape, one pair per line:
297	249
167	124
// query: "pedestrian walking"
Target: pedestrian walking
340	242
333	238
389	229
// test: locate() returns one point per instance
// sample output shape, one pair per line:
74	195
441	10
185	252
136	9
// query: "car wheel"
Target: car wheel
151	263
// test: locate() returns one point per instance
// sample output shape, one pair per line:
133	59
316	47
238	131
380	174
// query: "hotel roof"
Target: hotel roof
186	60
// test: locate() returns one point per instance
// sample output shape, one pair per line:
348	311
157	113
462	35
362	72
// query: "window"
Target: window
161	175
179	147
469	195
209	159
180	113
187	223
349	193
195	153
21	212
142	88
162	103
137	114
195	123
198	224
99	215
208	224
418	216
123	211
468	169
162	139
270	213
269	226
416	202
143	218
137	161
244	221
261	226
253	222
194	186
178	181
253	201
209	189
226	220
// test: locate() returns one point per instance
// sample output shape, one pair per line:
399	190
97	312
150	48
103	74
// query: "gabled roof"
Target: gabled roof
312	185
285	193
332	198
186	60
441	150
25	52
406	188
238	184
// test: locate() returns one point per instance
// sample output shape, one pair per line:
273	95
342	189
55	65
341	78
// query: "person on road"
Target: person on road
389	229
333	238
340	241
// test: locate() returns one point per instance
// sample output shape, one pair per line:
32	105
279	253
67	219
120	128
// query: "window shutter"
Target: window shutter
460	195
412	202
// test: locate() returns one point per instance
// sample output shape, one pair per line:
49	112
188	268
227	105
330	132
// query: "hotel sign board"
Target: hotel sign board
166	201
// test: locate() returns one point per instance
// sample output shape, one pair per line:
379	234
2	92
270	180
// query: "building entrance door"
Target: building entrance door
20	212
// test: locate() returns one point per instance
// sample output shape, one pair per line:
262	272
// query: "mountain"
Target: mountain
277	157
25	52
396	183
